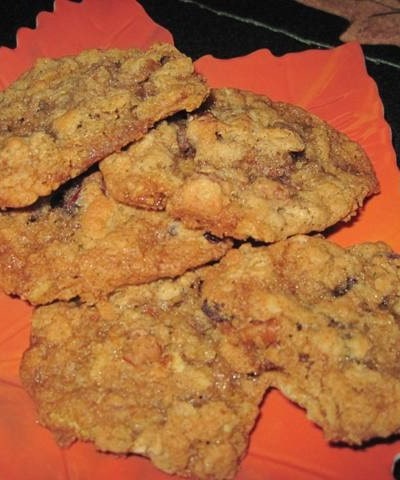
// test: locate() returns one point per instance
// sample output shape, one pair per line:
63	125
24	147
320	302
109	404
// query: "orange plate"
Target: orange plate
334	85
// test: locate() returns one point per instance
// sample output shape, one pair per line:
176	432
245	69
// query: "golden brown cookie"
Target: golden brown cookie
143	373
66	114
244	166
80	242
335	313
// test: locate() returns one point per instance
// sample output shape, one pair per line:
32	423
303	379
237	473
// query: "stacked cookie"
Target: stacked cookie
164	233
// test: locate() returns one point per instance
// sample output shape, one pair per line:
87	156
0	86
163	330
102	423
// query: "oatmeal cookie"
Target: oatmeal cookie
80	242
244	166
66	114
142	372
335	313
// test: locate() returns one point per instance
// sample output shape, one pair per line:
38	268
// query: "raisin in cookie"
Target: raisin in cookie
335	313
244	166
143	373
80	242
66	114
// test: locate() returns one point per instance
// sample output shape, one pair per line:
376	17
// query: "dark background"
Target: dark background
229	28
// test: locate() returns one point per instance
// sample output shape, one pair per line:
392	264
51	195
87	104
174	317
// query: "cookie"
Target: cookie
66	114
80	242
335	314
244	166
143	373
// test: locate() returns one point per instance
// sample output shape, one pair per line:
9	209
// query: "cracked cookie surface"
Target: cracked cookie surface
243	166
335	313
175	369
66	114
144	372
81	242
